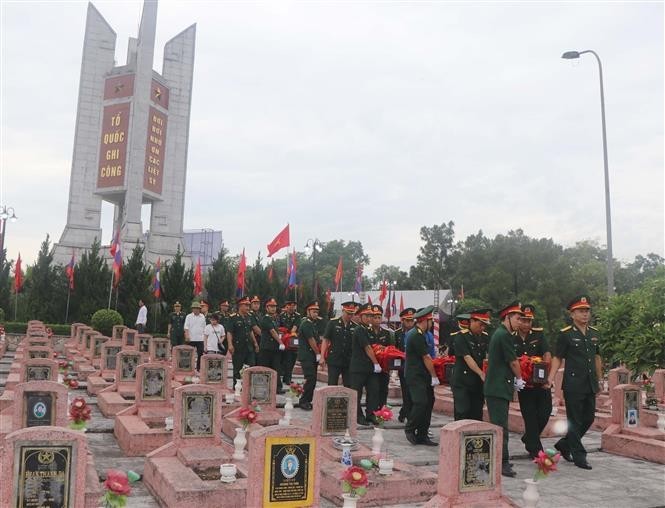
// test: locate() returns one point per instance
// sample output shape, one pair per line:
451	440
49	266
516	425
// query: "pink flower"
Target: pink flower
117	482
356	476
546	462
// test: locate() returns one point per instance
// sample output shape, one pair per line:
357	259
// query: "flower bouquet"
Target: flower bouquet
248	415
79	413
650	391
295	390
354	481
546	462
383	415
117	488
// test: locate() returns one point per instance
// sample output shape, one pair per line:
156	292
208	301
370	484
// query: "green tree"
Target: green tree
92	279
40	287
177	283
135	284
433	268
392	274
221	278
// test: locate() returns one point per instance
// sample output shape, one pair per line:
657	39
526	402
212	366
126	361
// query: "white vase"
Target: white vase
386	466
660	423
238	389
531	495
168	423
347	460
288	409
349	501
239	443
377	440
228	473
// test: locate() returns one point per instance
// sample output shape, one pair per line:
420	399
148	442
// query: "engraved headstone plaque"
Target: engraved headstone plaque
631	408
197	415
154	388
476	461
111	357
161	350
43	476
622	378
215	371
259	387
97	352
38	354
38	409
289	471
128	367
335	415
130	338
37	373
144	344
184	359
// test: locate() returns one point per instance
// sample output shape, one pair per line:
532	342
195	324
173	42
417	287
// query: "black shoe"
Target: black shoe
564	453
401	418
281	391
411	438
506	470
305	406
428	442
583	464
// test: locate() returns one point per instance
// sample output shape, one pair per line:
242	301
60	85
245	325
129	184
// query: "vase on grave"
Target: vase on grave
288	409
531	495
239	443
349	501
377	440
386	466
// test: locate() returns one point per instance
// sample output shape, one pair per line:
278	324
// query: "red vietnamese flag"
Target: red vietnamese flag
283	239
384	292
18	275
240	279
115	243
270	272
69	272
198	279
401	303
339	274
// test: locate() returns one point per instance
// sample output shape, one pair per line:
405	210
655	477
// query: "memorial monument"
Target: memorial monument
131	137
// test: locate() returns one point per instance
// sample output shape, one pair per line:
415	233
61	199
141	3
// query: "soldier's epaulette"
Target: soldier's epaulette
464	330
485	333
233	314
537	329
569	327
455	333
335	319
593	328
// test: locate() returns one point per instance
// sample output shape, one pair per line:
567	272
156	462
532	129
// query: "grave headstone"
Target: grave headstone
259	384
214	370
154	384
129	339
626	401
617	376
197	417
110	352
160	349
184	359
39	369
38	352
658	379
40	403
334	411
127	365
143	340
116	333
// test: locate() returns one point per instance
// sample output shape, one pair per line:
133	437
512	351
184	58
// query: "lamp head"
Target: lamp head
571	55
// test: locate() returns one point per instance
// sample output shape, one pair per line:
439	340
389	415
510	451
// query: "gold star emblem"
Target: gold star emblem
119	87
158	94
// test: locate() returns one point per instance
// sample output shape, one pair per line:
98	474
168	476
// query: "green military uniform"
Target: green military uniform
404	411
243	343
288	320
177	322
535	401
383	337
339	335
499	381
467	386
269	353
307	357
362	373
580	385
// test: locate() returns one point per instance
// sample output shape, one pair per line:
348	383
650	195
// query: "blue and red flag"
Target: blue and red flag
117	265
358	287
293	265
394	305
240	279
69	271
115	243
156	285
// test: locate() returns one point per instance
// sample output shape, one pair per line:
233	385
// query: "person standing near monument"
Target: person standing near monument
240	338
176	326
503	376
290	319
194	326
578	344
309	353
336	345
271	346
421	378
224	313
255	317
535	401
382	337
363	367
142	317
408	322
468	377
214	335
205	311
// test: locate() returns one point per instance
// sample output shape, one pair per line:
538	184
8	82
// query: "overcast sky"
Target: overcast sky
366	120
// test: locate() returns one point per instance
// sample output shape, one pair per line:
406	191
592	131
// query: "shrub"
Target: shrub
104	319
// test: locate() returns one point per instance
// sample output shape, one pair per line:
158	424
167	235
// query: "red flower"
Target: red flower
356	477
117	482
384	414
79	411
546	462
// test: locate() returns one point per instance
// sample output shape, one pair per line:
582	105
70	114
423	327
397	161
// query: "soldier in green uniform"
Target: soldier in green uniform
176	328
463	322
363	366
421	378
205	310
383	337
503	376
535	401
271	347
240	338
336	345
408	322
309	353
468	376
255	316
224	313
290	319
578	344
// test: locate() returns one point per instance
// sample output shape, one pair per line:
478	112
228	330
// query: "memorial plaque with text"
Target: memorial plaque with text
161	350
38	409
97	352
289	471
184	359
43	476
631	408
622	378
335	416
154	151
259	387
215	371
144	344
113	146
38	354
37	373
476	461
197	415
130	338
154	384
128	367
111	357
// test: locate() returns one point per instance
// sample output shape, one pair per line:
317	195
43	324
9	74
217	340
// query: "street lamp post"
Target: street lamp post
6	212
571	55
313	246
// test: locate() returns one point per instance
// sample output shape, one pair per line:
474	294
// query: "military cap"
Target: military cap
579	302
482	315
312	306
424	313
255	299
225	303
407	313
203	302
377	310
271	301
529	310
513	307
243	300
290	302
196	305
177	304
365	310
350	307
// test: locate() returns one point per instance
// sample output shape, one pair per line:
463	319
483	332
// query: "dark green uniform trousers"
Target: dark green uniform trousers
536	407
241	357
468	403
309	371
405	410
580	412
384	380
288	362
498	410
272	359
370	382
334	371
422	401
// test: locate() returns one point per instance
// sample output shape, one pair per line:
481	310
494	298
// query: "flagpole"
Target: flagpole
117	290
15	304
110	290
69	292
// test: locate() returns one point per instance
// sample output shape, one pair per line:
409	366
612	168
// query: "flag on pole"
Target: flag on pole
369	300
156	286
292	270
117	265
401	303
339	274
388	312
115	243
18	275
270	272
358	286
240	279
384	292
328	300
393	308
69	272
283	239
198	279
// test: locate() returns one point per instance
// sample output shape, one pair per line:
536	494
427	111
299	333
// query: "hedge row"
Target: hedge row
20	328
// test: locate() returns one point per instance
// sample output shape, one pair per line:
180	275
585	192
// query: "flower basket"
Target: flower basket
443	366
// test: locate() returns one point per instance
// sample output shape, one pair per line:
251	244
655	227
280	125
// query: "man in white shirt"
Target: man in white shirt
142	317
195	324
